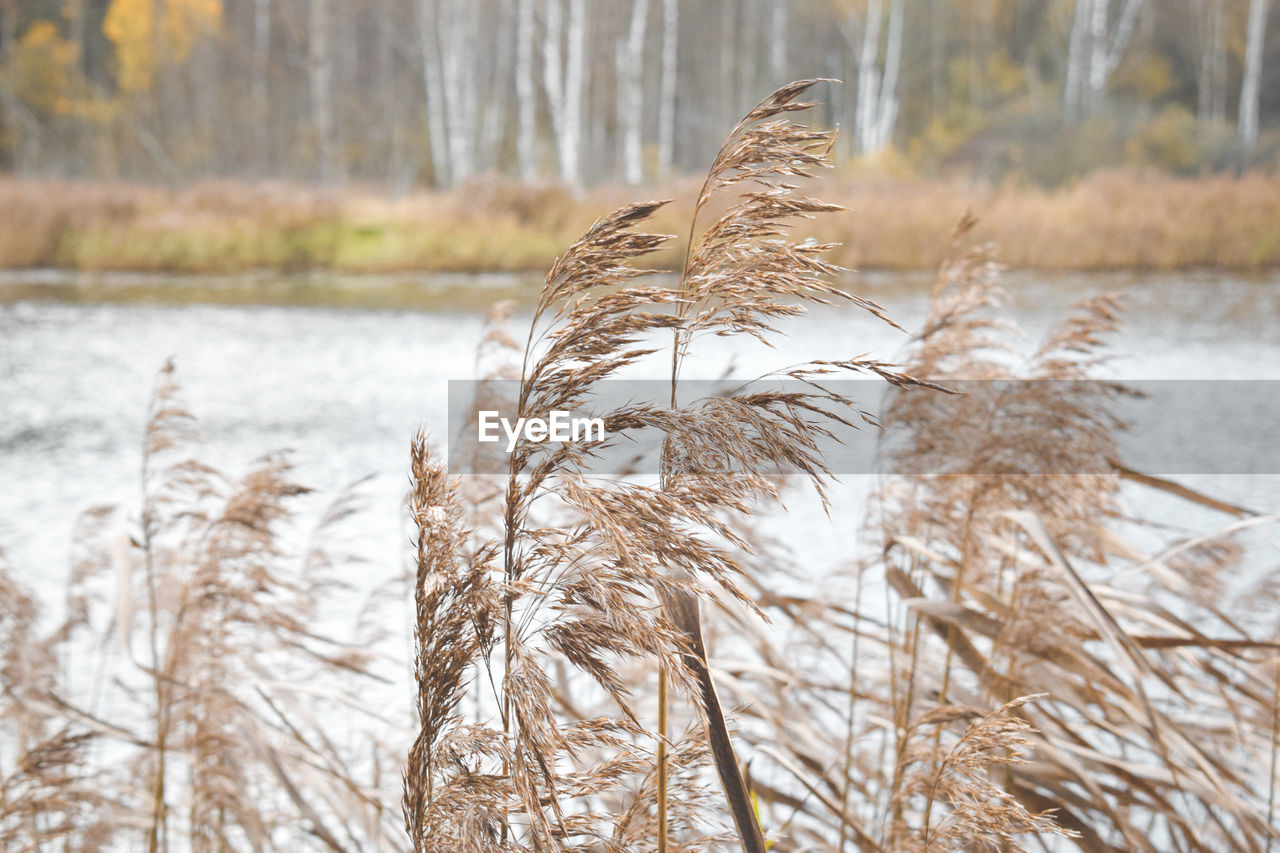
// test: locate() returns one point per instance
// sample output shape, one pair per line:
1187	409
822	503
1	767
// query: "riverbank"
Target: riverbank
1108	221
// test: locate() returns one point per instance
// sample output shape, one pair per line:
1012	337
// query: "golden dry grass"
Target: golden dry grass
1027	676
1110	220
618	584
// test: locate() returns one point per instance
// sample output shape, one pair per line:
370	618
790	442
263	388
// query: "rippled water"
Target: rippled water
346	387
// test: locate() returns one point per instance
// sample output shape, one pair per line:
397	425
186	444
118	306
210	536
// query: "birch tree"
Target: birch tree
1096	48
402	91
526	93
493	106
564	79
458	34
1076	62
575	84
1250	88
1211	86
667	95
433	88
401	162
778	43
258	86
449	31
320	78
631	94
877	107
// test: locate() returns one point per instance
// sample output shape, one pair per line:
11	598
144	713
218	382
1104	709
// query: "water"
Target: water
346	388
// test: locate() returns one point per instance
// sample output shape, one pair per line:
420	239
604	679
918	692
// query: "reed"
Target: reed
1008	669
1144	724
583	592
48	795
216	715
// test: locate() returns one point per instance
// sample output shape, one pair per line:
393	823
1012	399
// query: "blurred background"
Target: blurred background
313	203
224	136
412	93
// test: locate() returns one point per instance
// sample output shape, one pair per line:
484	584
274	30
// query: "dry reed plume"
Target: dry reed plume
190	700
1153	725
523	773
46	794
1001	662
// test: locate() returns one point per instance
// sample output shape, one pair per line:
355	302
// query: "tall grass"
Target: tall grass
997	665
192	699
47	794
583	592
1152	726
1011	693
1109	220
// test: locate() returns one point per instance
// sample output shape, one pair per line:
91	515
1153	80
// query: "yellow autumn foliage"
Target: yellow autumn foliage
44	67
130	26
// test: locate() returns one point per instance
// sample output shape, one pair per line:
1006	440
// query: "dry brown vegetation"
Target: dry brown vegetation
1012	692
1155	724
1110	220
189	699
996	666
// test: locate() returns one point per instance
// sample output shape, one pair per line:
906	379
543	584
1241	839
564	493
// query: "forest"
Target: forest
429	93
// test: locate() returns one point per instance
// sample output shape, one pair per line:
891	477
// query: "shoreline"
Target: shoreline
1109	221
468	292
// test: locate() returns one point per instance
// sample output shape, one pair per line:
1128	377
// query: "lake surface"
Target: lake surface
343	371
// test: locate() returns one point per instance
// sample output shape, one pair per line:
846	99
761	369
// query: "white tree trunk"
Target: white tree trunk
258	87
1098	53
553	65
667	99
320	80
1076	57
868	78
493	106
553	70
400	168
876	111
1250	88
449	32
457	33
887	114
1096	49
564	78
526	128
1123	32
1211	85
631	100
778	44
575	79
433	87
